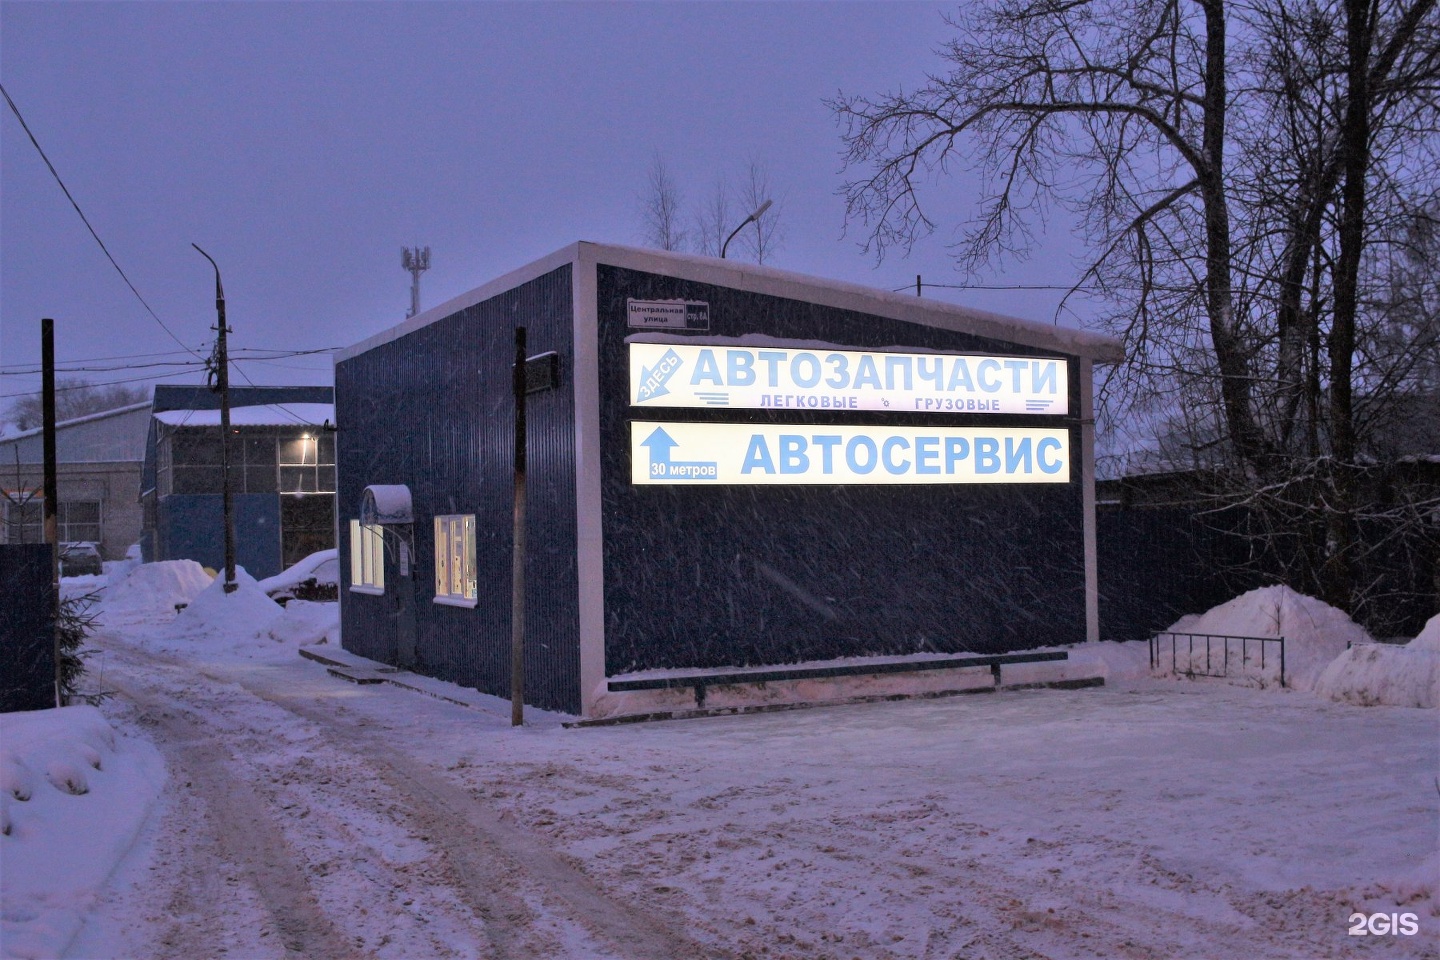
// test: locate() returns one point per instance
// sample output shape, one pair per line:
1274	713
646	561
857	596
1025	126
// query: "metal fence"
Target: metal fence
1211	654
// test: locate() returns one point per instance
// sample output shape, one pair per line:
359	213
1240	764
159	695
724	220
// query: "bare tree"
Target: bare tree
1239	173
713	219
763	241
75	398
663	224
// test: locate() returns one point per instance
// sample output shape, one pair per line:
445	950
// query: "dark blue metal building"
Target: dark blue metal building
738	467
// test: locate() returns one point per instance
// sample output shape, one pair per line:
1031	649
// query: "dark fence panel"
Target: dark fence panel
27	628
1157	564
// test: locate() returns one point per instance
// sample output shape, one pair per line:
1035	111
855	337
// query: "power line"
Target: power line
104	383
53	172
14	370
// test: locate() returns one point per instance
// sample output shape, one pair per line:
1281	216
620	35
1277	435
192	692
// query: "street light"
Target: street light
754	216
222	363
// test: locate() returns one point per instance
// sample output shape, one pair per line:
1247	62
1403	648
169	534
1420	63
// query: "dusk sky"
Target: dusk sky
302	145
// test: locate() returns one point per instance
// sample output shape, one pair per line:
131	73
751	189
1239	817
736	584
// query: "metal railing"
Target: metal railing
1217	653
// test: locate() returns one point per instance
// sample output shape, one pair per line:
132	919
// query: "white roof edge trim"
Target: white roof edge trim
754	278
846	295
508	281
88	418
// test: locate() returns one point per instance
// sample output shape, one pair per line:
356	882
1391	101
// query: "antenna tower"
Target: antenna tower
416	260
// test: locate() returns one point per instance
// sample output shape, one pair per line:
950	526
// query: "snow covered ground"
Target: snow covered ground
301	815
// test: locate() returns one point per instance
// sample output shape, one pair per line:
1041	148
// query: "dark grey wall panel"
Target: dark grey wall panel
708	577
27	627
433	410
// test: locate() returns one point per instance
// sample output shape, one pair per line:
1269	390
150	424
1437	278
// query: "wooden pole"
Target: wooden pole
517	591
52	496
222	375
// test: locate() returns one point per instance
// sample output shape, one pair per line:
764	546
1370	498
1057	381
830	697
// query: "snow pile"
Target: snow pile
1378	673
1428	639
75	587
1111	659
152	590
1315	634
72	799
305	622
323	567
240	615
117	570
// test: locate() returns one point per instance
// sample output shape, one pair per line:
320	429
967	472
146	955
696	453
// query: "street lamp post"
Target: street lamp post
222	362
753	217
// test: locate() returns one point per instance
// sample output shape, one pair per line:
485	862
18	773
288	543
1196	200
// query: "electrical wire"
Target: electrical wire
106	383
53	172
15	370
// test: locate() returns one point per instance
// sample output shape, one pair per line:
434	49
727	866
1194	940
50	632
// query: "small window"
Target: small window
79	520
455	560
367	557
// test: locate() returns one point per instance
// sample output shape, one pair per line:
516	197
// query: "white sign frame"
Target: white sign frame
731	376
743	454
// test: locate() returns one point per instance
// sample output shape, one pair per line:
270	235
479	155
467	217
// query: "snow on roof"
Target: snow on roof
259	415
36	431
386	503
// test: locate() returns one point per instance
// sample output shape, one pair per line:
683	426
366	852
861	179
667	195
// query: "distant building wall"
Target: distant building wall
187	526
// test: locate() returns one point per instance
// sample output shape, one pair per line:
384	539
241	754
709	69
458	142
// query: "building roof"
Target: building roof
188	396
111	436
255	415
781	283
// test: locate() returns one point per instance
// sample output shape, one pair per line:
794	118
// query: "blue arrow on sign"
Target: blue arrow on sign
661	445
652	379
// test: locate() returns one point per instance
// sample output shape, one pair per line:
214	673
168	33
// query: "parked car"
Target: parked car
316	577
80	559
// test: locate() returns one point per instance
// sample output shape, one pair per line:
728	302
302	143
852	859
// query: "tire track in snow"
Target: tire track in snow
631	934
499	867
244	832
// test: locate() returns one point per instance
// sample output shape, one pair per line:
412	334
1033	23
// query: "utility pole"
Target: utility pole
52	494
222	377
517	572
417	261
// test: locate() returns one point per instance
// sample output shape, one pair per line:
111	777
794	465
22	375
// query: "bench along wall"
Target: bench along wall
740	467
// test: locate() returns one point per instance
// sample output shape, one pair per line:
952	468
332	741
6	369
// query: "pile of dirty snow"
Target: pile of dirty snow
1315	634
306	622
152	590
73	797
1379	673
240	615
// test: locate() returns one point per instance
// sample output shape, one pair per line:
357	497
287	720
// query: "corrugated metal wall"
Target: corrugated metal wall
27	627
709	577
191	526
433	410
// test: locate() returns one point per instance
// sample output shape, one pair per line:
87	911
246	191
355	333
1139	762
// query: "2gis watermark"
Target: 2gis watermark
1383	924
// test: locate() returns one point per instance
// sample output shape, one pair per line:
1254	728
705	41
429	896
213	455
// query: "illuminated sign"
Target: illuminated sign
751	453
792	378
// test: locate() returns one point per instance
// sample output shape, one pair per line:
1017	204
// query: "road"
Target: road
309	817
299	827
